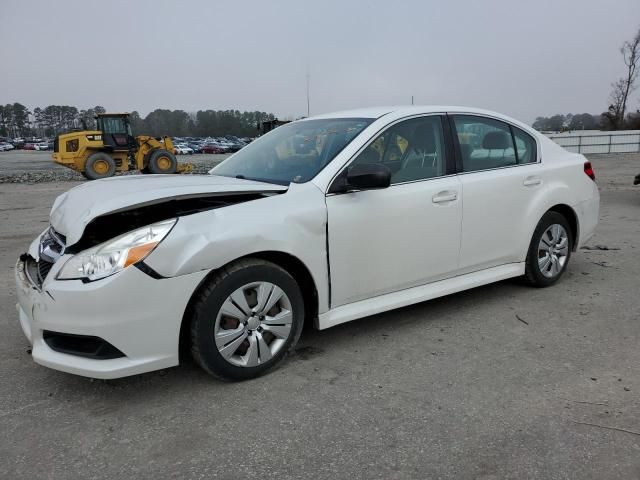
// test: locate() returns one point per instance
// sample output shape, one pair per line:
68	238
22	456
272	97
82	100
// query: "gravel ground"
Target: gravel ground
502	381
28	166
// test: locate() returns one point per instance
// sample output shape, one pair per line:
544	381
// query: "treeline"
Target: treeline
203	123
16	120
585	121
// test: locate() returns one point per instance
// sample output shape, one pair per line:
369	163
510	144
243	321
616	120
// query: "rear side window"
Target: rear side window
526	148
485	143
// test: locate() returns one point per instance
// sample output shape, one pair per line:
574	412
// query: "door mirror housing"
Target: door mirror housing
364	176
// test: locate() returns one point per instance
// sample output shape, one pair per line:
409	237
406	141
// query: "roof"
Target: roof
402	110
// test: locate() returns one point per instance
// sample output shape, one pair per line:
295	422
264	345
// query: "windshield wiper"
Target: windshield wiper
262	180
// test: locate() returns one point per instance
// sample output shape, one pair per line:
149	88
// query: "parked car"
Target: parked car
326	219
5	146
196	147
41	146
212	148
29	146
182	149
226	144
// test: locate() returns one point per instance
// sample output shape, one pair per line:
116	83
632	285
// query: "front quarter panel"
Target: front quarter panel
293	223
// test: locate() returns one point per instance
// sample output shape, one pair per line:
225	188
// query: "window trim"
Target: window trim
458	151
449	151
515	145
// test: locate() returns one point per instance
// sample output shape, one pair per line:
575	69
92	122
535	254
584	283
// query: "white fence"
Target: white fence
595	141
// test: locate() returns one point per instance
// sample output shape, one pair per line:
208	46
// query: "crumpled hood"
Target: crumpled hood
73	210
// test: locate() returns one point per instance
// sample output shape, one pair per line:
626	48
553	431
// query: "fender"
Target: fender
293	223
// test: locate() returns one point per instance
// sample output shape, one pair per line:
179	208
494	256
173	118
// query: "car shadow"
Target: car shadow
313	345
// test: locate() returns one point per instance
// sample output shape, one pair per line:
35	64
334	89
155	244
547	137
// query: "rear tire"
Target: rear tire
246	319
162	162
99	165
549	251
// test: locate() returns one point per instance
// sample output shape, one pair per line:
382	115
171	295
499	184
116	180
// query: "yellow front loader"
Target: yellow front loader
112	148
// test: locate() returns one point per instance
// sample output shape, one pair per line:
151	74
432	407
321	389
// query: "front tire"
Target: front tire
246	319
549	251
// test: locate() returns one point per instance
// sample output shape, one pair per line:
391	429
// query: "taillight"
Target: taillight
588	169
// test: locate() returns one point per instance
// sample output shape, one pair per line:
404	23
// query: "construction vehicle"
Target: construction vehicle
268	125
112	148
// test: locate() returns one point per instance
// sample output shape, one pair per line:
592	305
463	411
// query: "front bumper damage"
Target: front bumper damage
135	314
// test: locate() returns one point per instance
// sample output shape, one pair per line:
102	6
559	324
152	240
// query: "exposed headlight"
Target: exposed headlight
116	254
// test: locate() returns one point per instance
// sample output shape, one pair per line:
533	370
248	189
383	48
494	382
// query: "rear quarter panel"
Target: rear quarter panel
566	183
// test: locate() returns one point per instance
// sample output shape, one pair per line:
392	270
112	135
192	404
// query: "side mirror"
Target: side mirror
368	176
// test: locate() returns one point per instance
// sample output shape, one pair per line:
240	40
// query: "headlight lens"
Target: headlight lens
116	254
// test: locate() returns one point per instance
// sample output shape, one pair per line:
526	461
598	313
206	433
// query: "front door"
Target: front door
382	241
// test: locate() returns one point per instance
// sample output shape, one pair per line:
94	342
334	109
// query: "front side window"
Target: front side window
295	152
484	143
412	150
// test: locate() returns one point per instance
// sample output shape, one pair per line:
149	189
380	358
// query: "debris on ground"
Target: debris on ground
602	264
599	247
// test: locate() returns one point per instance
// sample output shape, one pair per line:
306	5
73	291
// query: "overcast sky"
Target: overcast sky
522	58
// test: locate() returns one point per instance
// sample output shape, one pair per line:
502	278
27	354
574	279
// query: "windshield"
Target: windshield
294	152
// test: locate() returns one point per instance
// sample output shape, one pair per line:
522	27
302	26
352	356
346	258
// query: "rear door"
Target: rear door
501	177
408	234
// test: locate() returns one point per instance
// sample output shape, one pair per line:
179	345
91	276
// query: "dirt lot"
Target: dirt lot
503	381
19	166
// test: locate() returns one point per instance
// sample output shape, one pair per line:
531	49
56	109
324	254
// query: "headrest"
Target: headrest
424	138
465	150
496	141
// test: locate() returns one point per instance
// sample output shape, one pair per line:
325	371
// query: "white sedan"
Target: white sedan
327	219
182	149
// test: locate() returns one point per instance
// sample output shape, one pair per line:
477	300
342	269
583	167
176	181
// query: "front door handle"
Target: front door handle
532	181
444	197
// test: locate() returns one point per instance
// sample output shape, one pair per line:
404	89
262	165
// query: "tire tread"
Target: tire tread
199	304
531	276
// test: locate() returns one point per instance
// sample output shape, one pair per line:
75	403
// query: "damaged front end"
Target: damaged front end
108	226
84	227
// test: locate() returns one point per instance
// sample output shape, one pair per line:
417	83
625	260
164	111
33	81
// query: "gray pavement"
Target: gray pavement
503	381
18	161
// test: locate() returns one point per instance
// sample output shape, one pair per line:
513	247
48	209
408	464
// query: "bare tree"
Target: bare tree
630	51
617	99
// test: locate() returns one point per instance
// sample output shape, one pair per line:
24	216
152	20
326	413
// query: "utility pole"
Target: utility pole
308	109
411	99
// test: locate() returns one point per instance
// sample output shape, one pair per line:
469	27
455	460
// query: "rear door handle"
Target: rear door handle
532	181
444	197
